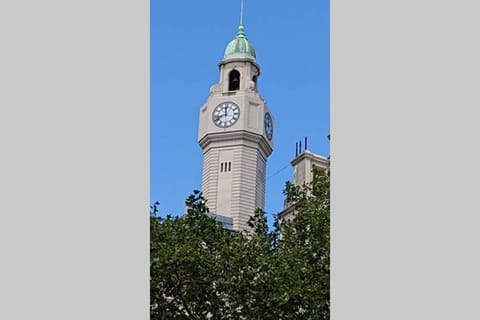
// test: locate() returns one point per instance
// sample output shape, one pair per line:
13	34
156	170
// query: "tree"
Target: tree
187	257
200	270
304	251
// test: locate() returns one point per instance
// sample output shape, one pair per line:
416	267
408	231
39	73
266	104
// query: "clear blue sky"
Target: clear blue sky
188	39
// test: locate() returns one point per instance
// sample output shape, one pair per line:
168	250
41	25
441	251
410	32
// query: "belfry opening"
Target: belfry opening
234	80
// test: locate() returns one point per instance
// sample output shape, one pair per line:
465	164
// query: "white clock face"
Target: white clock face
226	114
268	126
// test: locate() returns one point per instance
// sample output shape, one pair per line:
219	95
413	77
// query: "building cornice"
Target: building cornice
239	58
288	210
239	137
307	154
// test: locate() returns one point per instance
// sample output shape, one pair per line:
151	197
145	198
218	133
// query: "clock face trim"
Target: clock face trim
226	114
268	124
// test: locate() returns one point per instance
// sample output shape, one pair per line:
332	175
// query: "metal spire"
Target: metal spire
241	12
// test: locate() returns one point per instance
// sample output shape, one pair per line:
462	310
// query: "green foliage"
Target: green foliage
201	271
305	250
186	263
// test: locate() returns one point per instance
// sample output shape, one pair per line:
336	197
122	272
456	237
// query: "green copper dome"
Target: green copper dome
240	44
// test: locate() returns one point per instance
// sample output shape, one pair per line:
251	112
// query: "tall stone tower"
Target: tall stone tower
236	135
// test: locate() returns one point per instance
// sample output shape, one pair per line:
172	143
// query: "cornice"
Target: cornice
239	59
311	155
238	137
290	209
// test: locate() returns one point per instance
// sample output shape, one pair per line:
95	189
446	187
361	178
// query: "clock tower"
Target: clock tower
236	136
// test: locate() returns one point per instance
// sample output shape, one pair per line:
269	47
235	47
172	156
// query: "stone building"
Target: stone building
302	173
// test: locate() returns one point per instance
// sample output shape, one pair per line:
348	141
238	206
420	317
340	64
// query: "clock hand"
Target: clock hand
219	117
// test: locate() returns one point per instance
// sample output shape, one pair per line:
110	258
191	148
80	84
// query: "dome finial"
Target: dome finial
240	43
240	31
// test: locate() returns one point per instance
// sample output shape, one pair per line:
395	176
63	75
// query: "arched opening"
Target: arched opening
254	79
233	80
